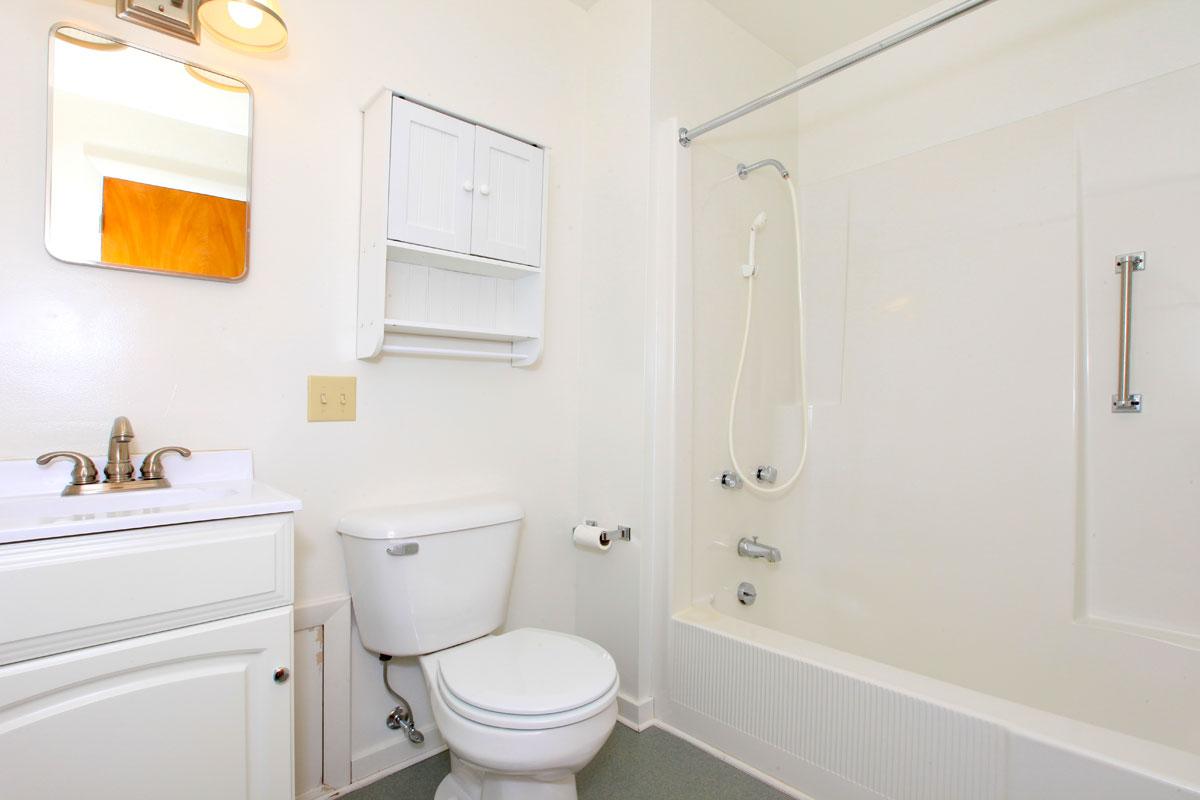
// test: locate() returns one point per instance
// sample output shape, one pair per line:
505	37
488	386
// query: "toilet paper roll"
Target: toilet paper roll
591	537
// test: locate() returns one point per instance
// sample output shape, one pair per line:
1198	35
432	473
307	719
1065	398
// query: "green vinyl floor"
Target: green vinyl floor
652	765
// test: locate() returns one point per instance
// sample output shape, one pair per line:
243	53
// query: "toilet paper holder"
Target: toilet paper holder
623	533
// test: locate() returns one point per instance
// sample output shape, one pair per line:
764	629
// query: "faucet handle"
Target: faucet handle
152	469
82	474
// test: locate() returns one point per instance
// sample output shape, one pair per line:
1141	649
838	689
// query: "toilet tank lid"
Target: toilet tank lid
423	519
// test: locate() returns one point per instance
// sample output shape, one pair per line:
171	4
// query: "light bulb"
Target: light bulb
244	15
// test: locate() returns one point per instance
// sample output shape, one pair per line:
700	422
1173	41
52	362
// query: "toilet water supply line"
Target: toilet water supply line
749	270
401	717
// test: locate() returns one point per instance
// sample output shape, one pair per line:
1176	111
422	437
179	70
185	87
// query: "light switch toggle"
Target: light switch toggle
332	398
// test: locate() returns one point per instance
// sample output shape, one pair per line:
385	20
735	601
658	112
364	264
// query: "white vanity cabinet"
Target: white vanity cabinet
150	663
462	187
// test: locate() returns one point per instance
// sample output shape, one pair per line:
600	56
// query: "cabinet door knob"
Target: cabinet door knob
485	190
468	186
282	674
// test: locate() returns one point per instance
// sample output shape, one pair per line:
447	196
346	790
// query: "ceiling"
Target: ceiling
804	30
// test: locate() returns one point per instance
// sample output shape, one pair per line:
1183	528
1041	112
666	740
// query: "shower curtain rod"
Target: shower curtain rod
689	135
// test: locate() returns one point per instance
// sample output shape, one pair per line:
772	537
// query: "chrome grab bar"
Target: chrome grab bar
1125	402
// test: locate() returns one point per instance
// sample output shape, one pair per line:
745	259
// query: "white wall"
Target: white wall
615	481
214	366
965	513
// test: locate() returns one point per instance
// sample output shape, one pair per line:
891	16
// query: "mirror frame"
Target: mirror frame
54	29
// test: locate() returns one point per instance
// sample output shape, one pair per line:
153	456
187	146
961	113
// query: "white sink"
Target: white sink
217	485
54	507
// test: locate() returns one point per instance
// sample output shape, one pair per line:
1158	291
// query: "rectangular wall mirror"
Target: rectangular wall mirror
148	160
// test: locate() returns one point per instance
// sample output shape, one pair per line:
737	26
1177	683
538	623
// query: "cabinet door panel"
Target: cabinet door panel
429	198
507	217
191	713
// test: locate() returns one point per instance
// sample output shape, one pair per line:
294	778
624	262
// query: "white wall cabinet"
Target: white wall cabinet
452	237
464	188
142	664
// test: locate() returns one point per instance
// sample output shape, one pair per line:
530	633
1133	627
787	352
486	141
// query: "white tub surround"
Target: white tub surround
208	486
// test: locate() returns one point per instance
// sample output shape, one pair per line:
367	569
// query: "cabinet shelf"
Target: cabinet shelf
407	253
455	331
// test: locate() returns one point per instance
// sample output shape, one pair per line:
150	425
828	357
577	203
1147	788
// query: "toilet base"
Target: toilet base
467	782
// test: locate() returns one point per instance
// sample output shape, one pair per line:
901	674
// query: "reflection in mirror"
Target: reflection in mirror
149	160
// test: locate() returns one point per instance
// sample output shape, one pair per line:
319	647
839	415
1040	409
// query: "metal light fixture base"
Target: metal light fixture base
177	18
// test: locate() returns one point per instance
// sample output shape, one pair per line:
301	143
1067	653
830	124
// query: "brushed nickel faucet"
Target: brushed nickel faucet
750	548
118	473
119	468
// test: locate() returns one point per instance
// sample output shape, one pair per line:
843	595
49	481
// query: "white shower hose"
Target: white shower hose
802	388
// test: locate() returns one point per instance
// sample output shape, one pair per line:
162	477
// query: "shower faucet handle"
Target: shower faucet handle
730	480
766	474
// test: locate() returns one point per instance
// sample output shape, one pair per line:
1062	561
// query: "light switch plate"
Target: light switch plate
178	18
332	398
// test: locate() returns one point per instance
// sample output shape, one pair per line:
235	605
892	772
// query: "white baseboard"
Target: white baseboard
393	756
386	754
635	713
738	764
638	715
332	794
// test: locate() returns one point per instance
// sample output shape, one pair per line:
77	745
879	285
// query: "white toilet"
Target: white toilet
522	712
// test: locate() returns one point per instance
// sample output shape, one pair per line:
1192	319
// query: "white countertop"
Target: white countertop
210	485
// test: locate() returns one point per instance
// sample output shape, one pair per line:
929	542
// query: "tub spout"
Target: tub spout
750	548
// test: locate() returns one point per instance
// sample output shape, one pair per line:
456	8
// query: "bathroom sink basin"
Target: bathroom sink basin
208	486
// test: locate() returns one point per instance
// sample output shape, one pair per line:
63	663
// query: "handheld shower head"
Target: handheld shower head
751	265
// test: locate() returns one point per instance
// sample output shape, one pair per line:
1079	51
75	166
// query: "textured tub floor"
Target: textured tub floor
651	765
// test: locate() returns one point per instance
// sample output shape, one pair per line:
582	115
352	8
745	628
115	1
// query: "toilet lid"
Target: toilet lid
528	672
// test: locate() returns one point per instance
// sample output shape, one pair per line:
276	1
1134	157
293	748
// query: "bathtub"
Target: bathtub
829	725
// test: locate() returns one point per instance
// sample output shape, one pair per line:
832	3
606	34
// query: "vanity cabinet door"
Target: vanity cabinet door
186	714
507	216
431	180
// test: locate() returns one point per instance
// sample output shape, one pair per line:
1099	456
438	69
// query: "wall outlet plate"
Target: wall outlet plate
332	398
178	18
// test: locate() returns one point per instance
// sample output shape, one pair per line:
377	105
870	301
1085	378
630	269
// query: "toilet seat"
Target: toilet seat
527	679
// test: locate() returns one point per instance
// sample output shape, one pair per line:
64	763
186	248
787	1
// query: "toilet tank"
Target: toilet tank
428	576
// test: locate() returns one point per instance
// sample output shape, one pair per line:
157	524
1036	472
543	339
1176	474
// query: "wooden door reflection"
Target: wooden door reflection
172	230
